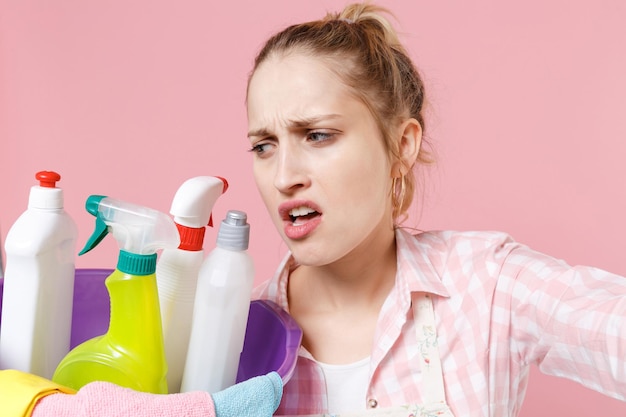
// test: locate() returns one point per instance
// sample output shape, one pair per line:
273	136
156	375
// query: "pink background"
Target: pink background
527	113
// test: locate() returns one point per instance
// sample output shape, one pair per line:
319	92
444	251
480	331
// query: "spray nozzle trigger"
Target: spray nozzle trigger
137	229
225	183
193	203
101	229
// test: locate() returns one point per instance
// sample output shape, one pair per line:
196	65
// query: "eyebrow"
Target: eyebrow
296	124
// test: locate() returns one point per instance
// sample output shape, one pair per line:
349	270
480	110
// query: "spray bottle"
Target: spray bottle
131	353
221	308
177	269
39	282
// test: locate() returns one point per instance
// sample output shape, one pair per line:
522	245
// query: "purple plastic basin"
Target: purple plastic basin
272	336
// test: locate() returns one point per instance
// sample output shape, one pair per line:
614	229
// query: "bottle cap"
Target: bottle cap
46	195
135	264
234	231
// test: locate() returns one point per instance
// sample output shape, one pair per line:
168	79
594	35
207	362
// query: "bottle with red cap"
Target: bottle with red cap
177	269
39	282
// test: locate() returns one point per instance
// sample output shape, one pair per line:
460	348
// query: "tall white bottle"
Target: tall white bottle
39	282
177	269
221	309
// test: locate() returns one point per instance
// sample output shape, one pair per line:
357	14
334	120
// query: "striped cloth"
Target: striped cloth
499	307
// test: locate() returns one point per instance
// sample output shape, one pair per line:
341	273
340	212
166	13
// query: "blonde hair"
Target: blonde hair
362	47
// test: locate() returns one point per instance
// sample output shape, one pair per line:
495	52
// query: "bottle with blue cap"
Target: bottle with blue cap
221	308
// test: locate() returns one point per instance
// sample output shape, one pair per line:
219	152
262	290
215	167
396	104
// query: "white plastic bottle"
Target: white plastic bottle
221	309
39	282
177	269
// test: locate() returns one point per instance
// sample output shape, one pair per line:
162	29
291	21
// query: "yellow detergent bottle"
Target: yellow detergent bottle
131	353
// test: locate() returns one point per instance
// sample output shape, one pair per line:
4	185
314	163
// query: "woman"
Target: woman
438	323
433	324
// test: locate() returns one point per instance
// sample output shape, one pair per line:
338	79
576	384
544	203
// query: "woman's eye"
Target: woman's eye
317	136
260	148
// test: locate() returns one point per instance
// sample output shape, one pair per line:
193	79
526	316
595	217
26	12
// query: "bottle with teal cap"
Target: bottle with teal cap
131	353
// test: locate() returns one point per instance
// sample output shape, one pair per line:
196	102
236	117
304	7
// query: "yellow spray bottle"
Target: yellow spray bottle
131	353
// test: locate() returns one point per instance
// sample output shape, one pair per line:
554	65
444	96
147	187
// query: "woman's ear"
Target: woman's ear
410	132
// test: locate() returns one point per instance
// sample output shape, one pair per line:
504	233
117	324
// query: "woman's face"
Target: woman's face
319	161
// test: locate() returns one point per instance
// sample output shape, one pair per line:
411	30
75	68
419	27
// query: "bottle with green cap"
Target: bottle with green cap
131	353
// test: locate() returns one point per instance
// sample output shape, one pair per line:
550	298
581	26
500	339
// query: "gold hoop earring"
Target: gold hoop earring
398	195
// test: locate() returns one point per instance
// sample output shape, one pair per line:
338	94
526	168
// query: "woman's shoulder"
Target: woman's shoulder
454	239
443	248
457	258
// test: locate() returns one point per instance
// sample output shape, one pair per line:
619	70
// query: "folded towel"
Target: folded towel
256	397
99	399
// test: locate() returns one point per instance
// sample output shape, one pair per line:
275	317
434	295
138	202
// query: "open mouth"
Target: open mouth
300	218
301	215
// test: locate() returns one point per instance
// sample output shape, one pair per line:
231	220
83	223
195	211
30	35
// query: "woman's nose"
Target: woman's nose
291	171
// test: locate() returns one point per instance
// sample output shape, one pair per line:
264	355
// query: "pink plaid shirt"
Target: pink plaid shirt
499	307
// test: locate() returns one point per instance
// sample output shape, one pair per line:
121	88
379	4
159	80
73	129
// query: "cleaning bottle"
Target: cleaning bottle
221	308
131	352
39	282
177	269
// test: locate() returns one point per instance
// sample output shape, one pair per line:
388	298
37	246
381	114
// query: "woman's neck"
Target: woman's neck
360	276
337	305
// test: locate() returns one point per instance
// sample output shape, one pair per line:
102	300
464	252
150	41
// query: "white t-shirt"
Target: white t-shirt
346	385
